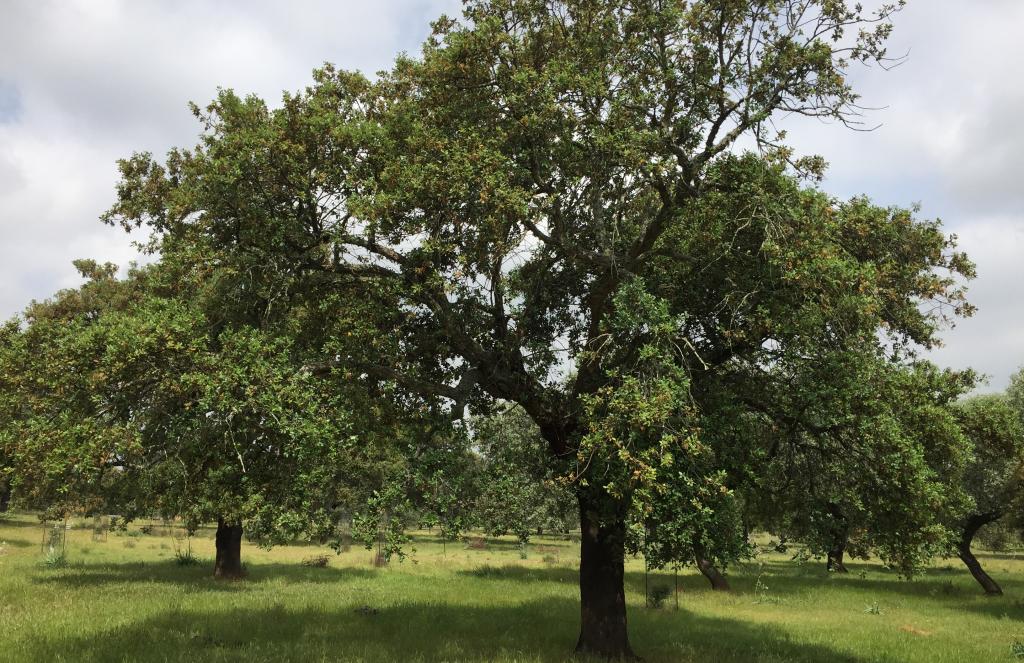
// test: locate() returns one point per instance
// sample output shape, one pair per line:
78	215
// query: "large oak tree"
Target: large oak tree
546	208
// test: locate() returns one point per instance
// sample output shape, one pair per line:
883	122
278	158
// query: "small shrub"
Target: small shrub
802	556
316	561
550	559
184	558
873	608
657	597
488	571
1017	649
128	543
146	529
55	559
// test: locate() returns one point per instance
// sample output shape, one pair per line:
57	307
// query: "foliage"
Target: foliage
848	498
520	493
993	477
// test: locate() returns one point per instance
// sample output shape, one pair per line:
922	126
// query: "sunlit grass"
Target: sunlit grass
127	599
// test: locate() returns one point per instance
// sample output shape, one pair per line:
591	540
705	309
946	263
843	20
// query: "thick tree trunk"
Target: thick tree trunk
5	495
229	551
835	555
602	593
840	536
975	523
710	571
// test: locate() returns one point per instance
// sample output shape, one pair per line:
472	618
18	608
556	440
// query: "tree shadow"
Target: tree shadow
198	577
634	581
951	589
1002	556
16	521
540	630
497	544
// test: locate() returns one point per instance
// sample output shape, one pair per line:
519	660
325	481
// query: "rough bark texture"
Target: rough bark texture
602	595
835	555
974	523
229	551
840	536
710	571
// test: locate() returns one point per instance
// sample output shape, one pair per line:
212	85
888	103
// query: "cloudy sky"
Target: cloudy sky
84	82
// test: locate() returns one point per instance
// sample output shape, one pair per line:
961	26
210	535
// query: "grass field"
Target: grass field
127	599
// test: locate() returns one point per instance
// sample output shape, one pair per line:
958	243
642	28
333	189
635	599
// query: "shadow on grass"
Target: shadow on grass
1009	555
499	545
198	577
540	630
953	589
20	521
634	580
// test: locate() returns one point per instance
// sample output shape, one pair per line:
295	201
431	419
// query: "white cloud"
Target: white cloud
950	138
83	83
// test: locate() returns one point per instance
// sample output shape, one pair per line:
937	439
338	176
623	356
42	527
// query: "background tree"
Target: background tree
134	401
64	450
447	481
994	475
520	493
824	486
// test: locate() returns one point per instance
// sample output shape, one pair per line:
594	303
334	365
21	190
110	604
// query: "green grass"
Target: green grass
117	603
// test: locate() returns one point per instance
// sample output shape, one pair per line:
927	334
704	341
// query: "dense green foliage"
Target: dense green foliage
994	475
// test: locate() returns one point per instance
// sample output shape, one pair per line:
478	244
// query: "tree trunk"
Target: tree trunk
710	571
5	495
974	523
602	593
840	535
229	551
835	556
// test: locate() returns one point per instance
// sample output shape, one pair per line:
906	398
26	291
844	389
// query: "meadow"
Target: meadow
129	598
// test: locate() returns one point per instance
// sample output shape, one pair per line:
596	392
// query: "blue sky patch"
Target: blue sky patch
10	102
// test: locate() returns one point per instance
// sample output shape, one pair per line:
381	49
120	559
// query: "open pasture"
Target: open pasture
128	599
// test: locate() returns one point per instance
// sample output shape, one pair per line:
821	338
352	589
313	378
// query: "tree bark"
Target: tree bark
5	495
974	523
710	571
603	630
840	536
835	555
229	551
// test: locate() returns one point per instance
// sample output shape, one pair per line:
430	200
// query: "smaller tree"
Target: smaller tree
993	477
520	493
134	396
445	477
